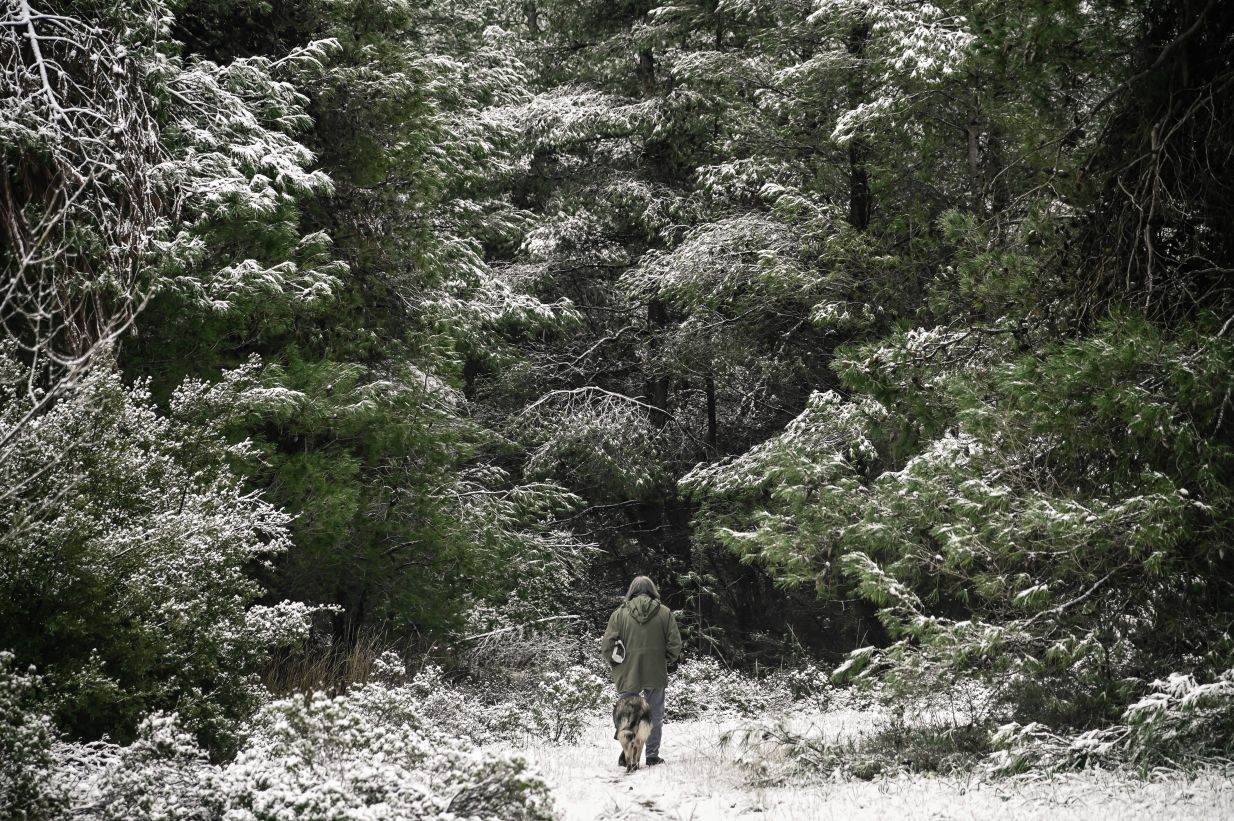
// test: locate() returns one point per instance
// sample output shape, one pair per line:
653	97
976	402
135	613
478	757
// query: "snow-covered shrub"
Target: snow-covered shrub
811	684
555	707
132	528
1183	721
25	750
163	774
368	754
1180	723
480	715
563	702
505	642
702	687
365	754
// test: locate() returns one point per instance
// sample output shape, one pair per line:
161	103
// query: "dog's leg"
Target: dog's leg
625	738
640	740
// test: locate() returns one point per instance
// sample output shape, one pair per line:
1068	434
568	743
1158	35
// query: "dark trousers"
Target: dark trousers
655	699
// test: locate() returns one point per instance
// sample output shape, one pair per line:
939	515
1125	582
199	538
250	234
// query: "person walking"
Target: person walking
644	633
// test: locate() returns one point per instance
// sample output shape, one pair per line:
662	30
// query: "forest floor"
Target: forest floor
705	778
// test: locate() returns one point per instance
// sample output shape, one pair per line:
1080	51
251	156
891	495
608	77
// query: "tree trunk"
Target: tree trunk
712	426
858	174
657	382
531	16
647	72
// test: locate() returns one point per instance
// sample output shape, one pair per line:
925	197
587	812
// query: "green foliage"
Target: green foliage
1008	545
1179	724
564	704
26	762
371	450
127	541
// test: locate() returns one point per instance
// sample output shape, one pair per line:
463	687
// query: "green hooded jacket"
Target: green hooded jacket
652	641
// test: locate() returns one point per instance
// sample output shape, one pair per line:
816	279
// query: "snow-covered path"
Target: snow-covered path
700	781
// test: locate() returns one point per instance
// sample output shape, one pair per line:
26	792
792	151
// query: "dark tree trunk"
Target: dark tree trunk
647	72
859	200
712	427
531	16
657	382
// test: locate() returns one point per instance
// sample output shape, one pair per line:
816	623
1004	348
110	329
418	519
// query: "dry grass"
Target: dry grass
332	668
705	779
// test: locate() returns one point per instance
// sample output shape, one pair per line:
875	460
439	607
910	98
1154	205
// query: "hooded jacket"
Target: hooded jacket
652	642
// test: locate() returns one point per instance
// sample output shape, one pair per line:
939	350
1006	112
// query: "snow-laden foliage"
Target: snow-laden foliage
565	702
237	169
27	788
602	441
82	209
551	704
702	687
83	205
514	519
367	754
817	449
370	752
1069	575
132	525
129	168
1179	723
906	47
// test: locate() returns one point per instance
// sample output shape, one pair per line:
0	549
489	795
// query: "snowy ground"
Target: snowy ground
701	780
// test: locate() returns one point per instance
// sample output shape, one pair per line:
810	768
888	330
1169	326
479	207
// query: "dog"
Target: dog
631	726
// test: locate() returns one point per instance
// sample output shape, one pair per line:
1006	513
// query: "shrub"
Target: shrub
481	716
321	757
563	702
1182	721
26	791
810	684
702	687
163	774
554	708
368	753
1179	724
126	549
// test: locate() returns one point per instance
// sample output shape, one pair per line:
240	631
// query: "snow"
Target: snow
704	778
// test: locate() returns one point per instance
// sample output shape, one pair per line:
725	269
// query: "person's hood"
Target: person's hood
642	607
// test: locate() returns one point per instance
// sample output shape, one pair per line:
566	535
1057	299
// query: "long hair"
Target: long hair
641	585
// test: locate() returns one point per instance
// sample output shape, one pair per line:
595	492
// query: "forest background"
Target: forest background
891	336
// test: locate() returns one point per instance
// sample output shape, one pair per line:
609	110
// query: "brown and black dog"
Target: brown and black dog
631	726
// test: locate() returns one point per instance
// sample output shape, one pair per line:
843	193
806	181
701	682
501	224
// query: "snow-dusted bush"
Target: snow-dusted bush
132	528
163	774
25	749
810	683
563	702
553	707
480	716
1179	723
367	754
1183	721
702	687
